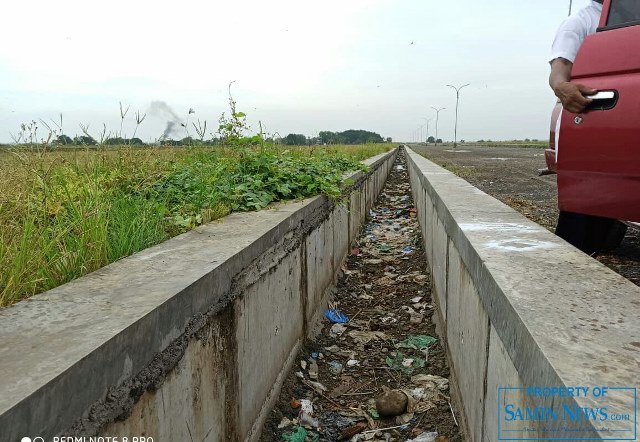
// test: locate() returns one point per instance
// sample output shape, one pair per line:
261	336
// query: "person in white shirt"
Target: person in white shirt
572	32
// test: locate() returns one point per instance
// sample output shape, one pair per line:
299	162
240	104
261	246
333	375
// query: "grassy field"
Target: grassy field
64	214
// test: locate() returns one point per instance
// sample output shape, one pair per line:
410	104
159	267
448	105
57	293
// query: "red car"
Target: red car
598	161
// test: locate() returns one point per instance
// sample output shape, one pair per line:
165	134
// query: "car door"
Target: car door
599	152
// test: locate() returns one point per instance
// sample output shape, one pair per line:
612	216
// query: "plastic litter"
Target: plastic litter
384	248
313	371
407	362
439	381
420	279
336	316
406	250
306	414
404	418
317	386
335	368
415	317
336	330
299	436
364	337
333	424
419	342
425	437
398	361
352	362
284	423
388	320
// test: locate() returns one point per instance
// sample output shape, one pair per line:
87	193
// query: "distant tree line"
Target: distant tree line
324	137
350	136
85	140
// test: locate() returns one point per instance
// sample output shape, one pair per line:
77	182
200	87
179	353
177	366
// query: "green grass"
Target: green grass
64	214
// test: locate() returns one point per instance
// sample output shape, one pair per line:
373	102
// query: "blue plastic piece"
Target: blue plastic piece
336	316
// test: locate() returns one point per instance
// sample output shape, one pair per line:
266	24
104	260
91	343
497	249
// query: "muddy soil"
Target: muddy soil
510	174
388	343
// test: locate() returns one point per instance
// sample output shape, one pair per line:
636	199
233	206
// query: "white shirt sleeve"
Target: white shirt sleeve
573	31
566	45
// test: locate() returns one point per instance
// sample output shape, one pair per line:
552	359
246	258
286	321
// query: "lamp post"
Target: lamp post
420	136
570	4
455	131
437	116
427	134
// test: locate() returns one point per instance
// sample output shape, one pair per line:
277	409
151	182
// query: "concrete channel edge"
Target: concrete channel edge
521	308
184	340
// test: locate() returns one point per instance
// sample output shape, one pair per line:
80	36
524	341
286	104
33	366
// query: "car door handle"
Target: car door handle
603	100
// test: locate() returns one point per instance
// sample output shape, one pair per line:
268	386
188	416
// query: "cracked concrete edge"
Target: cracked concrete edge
563	318
125	326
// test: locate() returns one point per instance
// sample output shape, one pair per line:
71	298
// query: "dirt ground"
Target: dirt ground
510	174
388	348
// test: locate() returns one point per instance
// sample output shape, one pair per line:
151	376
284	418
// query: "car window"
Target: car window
624	12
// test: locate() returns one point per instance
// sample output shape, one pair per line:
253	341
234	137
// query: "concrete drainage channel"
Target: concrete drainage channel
192	340
382	374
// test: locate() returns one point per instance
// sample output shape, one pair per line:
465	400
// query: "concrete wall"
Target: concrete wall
519	307
187	340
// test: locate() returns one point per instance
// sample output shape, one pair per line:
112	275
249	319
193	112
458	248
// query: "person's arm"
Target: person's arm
571	95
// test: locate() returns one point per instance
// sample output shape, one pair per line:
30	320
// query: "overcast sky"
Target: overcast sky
298	66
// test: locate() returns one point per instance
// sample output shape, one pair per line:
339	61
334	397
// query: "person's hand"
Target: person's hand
574	96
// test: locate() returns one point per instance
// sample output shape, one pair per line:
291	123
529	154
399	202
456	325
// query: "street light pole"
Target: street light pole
427	134
437	116
455	131
570	4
